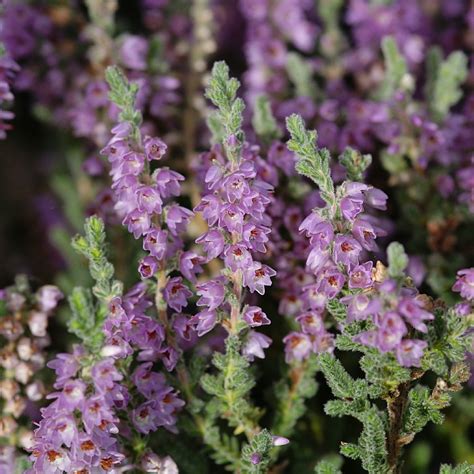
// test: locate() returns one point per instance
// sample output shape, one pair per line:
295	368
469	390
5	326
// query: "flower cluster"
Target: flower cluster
396	313
234	209
23	331
24	337
78	430
139	195
464	285
270	27
128	330
173	371
338	237
8	69
82	427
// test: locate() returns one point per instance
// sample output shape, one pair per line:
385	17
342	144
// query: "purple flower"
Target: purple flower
376	198
138	223
346	250
232	218
204	321
317	259
391	329
352	204
321	232
176	294
256	237
65	366
177	218
297	346
313	299
48	297
211	293
155	242
361	276
331	281
151	462
133	52
365	233
254	316
235	186
169	356
410	351
210	206
257	277
148	383
255	459
167	182
237	257
311	322
280	441
155	148
351	207
189	265
148	267
465	283
145	417
71	396
131	164
105	374
416	270
412	310
149	200
255	344
213	242
183	327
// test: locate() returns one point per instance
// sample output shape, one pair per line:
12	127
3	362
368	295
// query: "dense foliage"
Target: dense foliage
256	220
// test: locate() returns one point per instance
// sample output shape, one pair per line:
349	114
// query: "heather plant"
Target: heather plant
257	218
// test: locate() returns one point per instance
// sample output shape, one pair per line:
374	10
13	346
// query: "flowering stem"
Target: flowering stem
285	424
396	407
236	305
160	302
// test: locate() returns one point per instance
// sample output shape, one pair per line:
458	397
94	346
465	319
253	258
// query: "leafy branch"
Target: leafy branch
226	121
313	161
87	316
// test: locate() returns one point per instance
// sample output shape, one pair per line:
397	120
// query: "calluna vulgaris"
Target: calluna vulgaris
238	267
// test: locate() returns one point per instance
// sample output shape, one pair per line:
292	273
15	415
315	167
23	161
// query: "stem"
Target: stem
396	409
284	422
236	306
283	426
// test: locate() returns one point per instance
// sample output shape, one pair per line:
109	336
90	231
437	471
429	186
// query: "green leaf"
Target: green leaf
327	467
351	450
434	58
313	161
355	163
397	260
291	394
340	408
260	445
222	92
372	443
464	468
225	448
123	94
395	68
86	321
340	382
301	75
337	310
231	386
94	248
263	121
447	90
